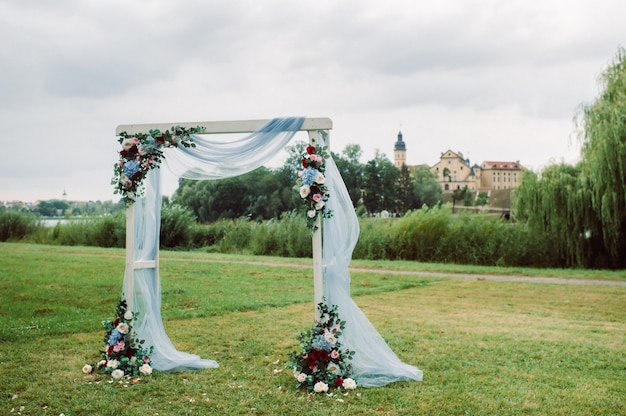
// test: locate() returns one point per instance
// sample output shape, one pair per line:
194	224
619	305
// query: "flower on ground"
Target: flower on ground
117	374
145	369
349	384
322	365
87	369
320	387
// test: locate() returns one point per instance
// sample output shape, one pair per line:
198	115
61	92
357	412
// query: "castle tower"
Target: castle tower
399	152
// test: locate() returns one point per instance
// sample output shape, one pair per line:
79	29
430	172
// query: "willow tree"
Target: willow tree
603	133
582	208
558	206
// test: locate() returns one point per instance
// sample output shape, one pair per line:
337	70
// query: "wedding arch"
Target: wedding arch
206	156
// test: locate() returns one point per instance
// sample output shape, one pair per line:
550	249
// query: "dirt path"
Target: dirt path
500	278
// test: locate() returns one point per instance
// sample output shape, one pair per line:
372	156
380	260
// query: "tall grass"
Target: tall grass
426	235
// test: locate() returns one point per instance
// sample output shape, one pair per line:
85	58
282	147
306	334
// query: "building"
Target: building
453	171
399	152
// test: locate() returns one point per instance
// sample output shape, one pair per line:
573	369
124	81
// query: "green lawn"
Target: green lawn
485	347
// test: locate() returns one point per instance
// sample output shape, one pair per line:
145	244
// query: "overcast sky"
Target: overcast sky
493	79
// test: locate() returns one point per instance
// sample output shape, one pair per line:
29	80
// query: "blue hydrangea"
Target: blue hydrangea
321	343
130	168
151	144
309	175
115	337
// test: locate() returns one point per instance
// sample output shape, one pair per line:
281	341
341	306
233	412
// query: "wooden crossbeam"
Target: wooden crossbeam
222	127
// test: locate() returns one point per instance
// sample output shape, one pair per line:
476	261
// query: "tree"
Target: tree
583	207
351	170
426	189
404	189
459	194
380	177
604	156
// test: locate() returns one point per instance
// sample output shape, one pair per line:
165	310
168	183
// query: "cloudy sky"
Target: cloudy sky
495	80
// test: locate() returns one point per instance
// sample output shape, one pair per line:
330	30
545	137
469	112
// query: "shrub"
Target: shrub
15	225
176	224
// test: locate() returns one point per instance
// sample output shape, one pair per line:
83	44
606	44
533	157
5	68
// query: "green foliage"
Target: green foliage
287	237
604	156
585	205
107	231
426	189
380	177
176	226
419	234
16	225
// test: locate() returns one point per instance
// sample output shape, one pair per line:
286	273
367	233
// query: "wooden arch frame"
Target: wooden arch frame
313	126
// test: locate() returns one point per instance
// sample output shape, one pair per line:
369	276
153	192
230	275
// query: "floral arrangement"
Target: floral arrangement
143	152
124	355
313	191
323	364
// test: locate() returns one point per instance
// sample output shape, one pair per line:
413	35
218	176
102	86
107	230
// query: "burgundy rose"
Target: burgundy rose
310	150
338	382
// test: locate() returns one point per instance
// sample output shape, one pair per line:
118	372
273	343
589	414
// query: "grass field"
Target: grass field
486	347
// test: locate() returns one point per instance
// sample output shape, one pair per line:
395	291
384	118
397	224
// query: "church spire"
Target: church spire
399	152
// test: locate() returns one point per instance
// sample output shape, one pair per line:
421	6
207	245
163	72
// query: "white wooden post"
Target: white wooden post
318	270
128	288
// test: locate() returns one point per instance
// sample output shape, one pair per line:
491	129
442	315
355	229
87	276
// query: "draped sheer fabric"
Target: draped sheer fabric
147	288
374	363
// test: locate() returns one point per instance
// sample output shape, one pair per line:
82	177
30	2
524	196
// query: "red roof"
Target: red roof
501	165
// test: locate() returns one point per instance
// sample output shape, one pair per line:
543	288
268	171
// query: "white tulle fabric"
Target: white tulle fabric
147	288
374	363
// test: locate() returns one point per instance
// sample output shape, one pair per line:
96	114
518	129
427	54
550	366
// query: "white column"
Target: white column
129	272
318	271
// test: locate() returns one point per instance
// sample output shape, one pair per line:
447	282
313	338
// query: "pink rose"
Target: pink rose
119	346
334	355
317	197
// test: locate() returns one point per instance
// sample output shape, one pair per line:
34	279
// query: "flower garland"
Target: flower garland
323	364
142	152
124	355
313	191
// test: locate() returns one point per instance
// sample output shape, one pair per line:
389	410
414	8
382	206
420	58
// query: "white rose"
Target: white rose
141	150
101	363
320	178
305	190
127	144
311	213
123	328
87	369
320	387
117	374
128	315
113	363
349	384
301	377
319	205
333	368
145	369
